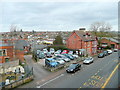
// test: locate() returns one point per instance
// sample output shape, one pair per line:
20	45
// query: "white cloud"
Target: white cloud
58	15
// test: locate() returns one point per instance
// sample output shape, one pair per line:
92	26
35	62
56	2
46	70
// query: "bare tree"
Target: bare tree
100	26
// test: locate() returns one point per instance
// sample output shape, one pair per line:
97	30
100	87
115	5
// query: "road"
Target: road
39	72
103	73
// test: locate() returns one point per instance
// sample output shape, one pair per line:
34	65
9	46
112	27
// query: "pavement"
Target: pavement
102	73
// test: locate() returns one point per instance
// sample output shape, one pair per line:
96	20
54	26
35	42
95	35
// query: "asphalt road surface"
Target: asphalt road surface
102	73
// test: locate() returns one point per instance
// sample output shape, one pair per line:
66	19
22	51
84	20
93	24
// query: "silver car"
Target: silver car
88	60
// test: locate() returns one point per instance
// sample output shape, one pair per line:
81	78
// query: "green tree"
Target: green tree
58	40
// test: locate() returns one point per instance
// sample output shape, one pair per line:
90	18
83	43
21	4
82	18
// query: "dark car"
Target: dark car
73	68
105	53
101	55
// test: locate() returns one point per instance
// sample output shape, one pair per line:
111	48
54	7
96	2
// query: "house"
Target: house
82	40
106	41
11	50
6	51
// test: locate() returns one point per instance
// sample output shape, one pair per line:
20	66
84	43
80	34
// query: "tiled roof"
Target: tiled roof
85	36
3	43
111	39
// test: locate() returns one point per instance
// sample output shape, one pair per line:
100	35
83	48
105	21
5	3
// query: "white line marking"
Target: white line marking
50	80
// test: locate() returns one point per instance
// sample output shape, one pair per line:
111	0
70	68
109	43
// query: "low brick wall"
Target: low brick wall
18	83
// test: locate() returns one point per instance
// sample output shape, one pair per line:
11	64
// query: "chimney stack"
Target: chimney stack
82	28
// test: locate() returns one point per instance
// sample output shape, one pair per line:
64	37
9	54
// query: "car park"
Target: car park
69	56
64	52
52	50
56	53
38	51
105	53
101	55
48	54
51	62
109	51
45	51
88	60
60	61
63	58
70	52
41	55
73	68
75	56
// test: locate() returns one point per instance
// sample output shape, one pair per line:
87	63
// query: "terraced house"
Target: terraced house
82	40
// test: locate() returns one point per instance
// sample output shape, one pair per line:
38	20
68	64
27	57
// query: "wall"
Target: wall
9	53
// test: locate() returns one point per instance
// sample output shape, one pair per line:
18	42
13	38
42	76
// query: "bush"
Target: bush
57	47
108	47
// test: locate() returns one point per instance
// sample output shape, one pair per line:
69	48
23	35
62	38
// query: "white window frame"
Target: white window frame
2	51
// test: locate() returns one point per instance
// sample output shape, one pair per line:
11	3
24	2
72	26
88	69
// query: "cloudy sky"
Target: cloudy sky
55	16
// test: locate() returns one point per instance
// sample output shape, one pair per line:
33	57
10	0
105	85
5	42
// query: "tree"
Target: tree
100	27
58	40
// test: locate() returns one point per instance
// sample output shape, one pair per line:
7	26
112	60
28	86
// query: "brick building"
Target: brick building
82	40
6	51
113	43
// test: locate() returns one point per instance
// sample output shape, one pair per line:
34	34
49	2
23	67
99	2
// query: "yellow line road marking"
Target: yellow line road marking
108	79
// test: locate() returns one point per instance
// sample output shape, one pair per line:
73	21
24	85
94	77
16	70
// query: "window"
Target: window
3	52
6	59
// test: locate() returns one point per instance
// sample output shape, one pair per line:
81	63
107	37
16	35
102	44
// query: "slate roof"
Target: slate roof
19	44
82	35
8	43
111	39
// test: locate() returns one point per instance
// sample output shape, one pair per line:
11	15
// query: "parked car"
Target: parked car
48	54
75	56
60	61
101	55
52	50
88	60
45	51
73	68
63	57
70	52
38	51
57	52
69	56
41	55
115	50
105	53
64	52
51	62
109	51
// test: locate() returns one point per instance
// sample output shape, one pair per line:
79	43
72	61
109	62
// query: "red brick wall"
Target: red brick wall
19	54
109	42
74	42
9	53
